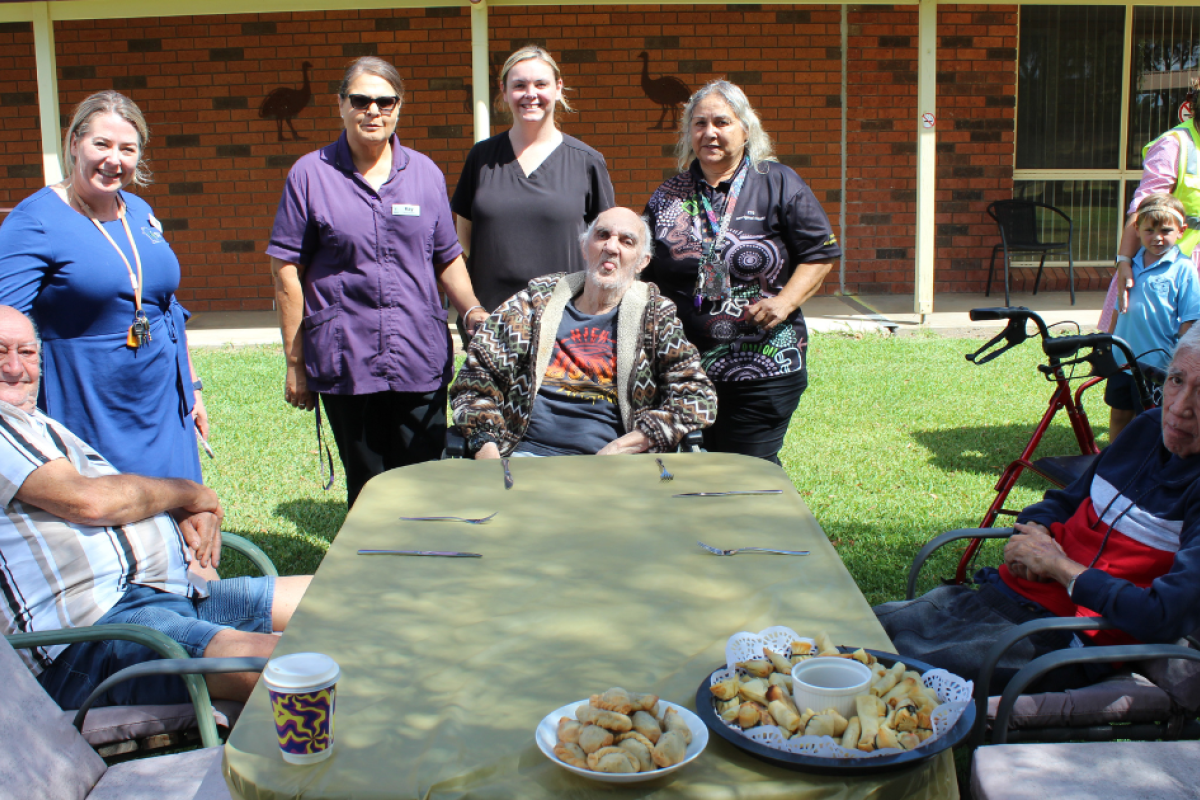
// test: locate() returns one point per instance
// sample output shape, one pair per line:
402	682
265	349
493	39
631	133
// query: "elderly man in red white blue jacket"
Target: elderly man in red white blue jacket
1123	542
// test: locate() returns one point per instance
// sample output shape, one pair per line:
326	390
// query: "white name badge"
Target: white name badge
405	210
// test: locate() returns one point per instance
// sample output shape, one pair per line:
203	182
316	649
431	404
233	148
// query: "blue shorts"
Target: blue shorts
1120	392
243	604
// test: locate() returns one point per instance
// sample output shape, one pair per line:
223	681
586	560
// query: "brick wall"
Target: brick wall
20	139
977	82
219	166
785	58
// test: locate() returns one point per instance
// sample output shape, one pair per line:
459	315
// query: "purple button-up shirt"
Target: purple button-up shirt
372	318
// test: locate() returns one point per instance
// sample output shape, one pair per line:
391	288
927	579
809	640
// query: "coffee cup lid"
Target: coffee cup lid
299	671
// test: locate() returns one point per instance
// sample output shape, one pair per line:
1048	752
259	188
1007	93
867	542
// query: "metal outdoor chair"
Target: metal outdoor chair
1127	705
1019	233
45	756
115	730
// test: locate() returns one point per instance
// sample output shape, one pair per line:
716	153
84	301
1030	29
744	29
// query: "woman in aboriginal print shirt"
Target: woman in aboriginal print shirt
740	243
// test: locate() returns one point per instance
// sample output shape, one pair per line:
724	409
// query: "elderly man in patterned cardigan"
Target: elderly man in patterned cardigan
590	362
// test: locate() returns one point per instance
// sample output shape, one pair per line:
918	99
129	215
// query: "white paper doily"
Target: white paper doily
953	692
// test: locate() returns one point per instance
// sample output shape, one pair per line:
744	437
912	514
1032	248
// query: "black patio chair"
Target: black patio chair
1158	700
1018	223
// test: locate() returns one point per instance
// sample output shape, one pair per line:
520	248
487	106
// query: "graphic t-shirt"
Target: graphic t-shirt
575	411
777	224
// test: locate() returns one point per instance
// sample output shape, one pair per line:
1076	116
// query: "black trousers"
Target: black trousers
382	431
753	416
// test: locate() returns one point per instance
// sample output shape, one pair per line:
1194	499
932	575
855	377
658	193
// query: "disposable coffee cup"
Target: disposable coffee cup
303	688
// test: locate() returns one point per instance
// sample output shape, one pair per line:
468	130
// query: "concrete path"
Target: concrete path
824	314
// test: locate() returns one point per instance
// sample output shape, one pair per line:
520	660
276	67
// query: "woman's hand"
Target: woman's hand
295	389
769	312
806	279
200	415
1124	285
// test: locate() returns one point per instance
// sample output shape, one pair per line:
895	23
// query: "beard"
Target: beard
617	282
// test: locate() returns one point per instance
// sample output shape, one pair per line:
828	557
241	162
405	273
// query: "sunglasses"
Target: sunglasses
360	102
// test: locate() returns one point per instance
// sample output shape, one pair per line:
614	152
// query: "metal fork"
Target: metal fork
665	476
468	520
716	551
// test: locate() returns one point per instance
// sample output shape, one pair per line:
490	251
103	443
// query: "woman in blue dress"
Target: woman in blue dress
89	263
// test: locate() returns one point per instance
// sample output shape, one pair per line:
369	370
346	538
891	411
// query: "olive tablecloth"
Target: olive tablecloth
590	578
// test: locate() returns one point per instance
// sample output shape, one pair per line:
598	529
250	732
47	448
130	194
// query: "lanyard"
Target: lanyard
140	329
712	276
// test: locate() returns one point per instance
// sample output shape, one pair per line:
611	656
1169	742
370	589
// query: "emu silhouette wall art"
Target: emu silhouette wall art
284	103
667	91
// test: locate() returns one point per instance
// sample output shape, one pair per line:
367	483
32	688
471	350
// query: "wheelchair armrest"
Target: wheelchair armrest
171	666
692	442
157	641
251	551
1076	655
456	444
938	541
1000	647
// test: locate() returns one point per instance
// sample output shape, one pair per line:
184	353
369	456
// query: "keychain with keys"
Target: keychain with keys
139	331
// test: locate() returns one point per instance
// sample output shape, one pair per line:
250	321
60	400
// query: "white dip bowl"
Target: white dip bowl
821	683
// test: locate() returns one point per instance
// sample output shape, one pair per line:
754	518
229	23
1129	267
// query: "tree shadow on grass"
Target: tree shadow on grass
318	518
879	559
988	449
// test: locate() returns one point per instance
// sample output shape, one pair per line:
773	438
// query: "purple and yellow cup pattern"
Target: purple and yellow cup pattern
303	693
304	721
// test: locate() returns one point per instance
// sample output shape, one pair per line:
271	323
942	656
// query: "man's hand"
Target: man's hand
769	312
1124	285
295	389
473	320
633	442
202	532
1033	554
489	450
204	501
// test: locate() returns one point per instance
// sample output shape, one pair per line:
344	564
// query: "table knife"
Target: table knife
508	481
446	553
726	494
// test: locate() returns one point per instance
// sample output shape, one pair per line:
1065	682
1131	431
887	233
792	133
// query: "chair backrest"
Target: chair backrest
1017	220
43	755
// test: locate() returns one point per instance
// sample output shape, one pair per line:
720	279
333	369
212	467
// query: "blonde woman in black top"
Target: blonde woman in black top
526	194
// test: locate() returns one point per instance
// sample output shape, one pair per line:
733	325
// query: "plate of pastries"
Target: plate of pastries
620	736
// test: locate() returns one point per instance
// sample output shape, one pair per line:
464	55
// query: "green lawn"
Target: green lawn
896	439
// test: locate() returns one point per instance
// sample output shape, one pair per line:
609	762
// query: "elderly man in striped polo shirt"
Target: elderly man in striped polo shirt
81	544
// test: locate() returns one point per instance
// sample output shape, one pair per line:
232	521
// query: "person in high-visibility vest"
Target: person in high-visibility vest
1170	165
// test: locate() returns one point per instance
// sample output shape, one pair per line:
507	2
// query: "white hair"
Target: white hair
758	143
1189	343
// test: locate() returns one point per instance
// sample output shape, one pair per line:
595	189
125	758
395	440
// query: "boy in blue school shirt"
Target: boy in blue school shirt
1163	303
